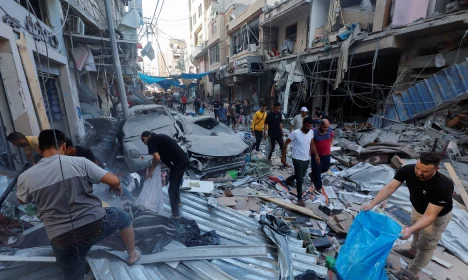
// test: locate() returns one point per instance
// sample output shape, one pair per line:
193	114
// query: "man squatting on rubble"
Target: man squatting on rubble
166	150
323	140
28	143
74	219
431	197
274	125
302	146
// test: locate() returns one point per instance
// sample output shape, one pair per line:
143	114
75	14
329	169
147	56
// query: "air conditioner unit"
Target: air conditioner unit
76	25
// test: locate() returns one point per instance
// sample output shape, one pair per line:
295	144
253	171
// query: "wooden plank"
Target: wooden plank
33	83
293	207
442	262
26	259
457	183
382	14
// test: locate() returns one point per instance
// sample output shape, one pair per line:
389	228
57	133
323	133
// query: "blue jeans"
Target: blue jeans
72	259
318	169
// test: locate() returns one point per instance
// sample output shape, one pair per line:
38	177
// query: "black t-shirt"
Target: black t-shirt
86	153
197	103
238	108
438	190
321	114
274	120
246	110
170	152
216	104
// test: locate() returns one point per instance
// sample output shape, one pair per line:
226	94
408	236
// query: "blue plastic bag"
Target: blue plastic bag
369	241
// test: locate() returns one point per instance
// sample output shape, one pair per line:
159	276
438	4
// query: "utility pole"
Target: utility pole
115	55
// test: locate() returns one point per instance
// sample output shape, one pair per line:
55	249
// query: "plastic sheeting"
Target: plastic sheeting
369	177
454	237
368	243
86	95
105	146
90	111
151	196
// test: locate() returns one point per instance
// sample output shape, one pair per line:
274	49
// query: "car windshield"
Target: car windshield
207	123
153	111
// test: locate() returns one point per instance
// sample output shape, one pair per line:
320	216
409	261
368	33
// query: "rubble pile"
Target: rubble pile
245	219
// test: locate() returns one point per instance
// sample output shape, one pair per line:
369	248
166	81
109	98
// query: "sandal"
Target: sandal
404	253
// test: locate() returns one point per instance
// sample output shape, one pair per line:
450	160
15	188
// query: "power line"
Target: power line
151	23
162	55
175	19
160	10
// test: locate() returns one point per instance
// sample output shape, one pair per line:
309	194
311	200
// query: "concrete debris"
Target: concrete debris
230	198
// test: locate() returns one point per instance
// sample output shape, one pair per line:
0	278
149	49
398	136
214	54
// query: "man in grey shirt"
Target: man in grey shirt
61	187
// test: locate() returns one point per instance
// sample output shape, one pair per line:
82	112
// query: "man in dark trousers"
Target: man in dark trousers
216	105
431	197
197	105
302	146
274	125
166	150
323	140
74	219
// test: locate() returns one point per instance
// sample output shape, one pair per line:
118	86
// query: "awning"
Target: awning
193	76
150	79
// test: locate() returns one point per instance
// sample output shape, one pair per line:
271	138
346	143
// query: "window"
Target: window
242	38
38	8
214	54
213	28
199	10
291	32
194	19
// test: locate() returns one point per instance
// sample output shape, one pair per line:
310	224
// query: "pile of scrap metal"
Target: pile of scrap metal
378	146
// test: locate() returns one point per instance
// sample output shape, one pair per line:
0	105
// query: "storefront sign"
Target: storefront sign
41	33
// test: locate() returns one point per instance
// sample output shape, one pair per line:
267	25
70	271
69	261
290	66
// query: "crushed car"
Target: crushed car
154	118
211	145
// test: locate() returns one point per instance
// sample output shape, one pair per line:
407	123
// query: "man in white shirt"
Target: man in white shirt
302	145
296	122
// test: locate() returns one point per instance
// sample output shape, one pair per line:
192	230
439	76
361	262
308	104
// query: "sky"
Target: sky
174	21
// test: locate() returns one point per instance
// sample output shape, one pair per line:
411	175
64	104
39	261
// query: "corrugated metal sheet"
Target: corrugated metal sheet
443	88
233	227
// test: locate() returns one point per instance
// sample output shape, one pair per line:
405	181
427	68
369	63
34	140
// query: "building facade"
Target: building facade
347	57
53	66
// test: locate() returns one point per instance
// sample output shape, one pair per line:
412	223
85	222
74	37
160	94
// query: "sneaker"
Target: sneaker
301	203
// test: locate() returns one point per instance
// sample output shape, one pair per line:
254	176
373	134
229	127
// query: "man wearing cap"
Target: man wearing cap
296	122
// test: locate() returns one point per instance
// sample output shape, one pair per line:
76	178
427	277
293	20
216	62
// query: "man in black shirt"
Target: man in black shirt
79	151
319	115
216	105
246	110
166	150
197	105
274	125
431	197
237	110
